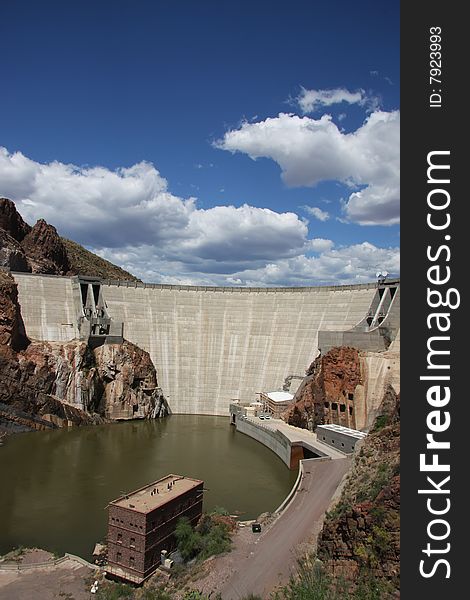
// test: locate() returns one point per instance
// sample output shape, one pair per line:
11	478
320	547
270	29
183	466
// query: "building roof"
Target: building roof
344	430
147	498
279	396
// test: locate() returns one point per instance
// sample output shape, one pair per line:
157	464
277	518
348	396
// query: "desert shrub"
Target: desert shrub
114	591
211	536
313	583
188	540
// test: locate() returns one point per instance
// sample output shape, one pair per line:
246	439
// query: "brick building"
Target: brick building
142	523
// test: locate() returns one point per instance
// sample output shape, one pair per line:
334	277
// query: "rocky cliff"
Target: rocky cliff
345	386
361	535
45	384
40	249
326	395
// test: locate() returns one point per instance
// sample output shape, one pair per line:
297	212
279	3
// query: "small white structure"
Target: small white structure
342	438
276	402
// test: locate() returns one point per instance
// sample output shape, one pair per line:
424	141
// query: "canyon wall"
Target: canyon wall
47	384
345	386
361	534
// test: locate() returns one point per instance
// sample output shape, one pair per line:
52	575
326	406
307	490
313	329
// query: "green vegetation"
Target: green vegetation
14	555
195	595
313	583
154	594
210	537
109	590
84	262
381	422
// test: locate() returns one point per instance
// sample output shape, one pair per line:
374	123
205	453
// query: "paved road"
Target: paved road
273	559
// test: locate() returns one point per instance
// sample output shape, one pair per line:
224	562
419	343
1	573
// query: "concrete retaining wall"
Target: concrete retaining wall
274	440
209	345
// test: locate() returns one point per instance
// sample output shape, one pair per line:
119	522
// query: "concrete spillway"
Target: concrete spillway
209	345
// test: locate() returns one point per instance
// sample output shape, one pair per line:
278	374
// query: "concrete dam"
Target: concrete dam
211	345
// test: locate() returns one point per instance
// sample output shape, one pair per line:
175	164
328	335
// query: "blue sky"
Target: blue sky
190	141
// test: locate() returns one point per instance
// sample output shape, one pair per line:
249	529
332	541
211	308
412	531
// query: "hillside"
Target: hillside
40	249
84	262
361	535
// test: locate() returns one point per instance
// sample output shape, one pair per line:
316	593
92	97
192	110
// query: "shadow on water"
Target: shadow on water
56	484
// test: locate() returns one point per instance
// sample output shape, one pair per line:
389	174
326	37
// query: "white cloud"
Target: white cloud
129	217
320	245
132	207
318	213
352	264
311	100
309	151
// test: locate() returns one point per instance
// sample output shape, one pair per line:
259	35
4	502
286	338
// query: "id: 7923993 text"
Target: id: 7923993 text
435	67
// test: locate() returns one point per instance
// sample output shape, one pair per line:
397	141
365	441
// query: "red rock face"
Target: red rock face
12	333
50	384
24	248
45	250
362	533
12	255
11	220
327	393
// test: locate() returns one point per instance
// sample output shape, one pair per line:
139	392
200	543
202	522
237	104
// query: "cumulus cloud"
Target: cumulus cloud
309	151
311	100
318	213
132	207
130	217
351	264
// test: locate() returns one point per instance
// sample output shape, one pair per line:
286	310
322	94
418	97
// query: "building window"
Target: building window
334	406
350	396
327	405
342	407
132	542
131	561
119	538
118	557
350	410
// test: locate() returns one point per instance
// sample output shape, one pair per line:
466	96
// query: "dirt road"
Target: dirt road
257	565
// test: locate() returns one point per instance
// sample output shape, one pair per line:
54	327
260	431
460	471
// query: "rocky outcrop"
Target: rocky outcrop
12	332
40	249
45	250
130	382
11	221
345	386
12	256
23	248
326	395
50	384
361	535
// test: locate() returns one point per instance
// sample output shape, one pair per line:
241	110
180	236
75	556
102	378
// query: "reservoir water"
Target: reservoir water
55	485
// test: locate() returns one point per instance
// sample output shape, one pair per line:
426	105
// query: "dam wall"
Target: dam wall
209	345
48	306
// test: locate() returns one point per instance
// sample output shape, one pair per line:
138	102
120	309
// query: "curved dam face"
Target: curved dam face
209	345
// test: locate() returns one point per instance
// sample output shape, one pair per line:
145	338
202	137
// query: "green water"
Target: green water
55	485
